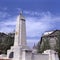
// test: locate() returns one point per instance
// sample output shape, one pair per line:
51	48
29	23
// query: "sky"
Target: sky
40	16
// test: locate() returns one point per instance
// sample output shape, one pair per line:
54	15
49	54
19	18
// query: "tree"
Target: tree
44	46
6	41
57	47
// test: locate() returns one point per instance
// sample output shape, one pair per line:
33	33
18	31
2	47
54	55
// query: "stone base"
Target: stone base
16	52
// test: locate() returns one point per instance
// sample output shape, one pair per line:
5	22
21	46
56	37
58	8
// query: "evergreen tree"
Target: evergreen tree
6	41
57	47
45	45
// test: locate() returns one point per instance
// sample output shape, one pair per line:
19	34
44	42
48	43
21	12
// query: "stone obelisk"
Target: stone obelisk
20	34
20	37
16	51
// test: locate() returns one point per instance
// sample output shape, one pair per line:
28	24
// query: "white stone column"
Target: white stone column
20	34
23	55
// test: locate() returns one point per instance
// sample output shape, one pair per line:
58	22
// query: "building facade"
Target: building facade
51	37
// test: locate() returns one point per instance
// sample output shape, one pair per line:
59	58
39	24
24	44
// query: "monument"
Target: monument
20	39
20	51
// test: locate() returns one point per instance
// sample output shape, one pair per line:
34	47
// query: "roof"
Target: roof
51	33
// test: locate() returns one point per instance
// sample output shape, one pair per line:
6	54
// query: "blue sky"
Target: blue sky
40	15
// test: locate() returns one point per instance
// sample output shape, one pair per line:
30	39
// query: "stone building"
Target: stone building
52	38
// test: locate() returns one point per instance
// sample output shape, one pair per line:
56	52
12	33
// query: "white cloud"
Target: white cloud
36	26
37	13
8	25
4	14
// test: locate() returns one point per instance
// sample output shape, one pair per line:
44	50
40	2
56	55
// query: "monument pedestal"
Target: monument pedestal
17	52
